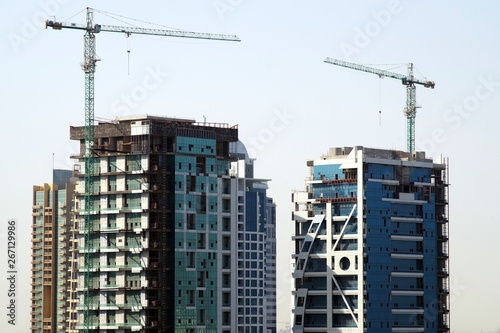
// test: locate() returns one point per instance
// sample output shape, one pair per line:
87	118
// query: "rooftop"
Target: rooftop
342	152
130	118
125	126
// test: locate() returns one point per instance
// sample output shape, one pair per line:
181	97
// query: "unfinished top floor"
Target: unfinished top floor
145	134
387	154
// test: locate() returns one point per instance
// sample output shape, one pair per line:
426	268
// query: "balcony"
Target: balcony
112	229
337	200
442	254
442	273
407	292
443	327
408	329
84	249
442	238
86	268
443	308
416	237
110	286
415	273
407	255
132	326
116	248
411	310
443	290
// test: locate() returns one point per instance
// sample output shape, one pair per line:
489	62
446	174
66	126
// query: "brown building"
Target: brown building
51	239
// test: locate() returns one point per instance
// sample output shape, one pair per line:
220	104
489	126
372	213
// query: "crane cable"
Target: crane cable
122	18
71	16
128	53
380	101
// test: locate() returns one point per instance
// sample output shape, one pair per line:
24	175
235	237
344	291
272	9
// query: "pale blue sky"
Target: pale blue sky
289	105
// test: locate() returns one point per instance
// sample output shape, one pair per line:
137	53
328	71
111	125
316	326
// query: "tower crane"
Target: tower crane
410	111
88	66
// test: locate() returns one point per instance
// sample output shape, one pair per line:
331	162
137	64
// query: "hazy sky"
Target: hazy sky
289	105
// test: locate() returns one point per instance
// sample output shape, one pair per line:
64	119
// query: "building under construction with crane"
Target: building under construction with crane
371	243
371	236
174	218
140	166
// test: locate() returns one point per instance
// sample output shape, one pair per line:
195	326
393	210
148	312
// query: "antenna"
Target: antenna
53	168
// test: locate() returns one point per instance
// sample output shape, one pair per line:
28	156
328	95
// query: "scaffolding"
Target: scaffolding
442	214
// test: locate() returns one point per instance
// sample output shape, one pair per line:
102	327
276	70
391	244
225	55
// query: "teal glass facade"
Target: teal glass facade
164	223
197	234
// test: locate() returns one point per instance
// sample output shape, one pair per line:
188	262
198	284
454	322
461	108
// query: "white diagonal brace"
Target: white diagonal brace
343	228
345	300
311	235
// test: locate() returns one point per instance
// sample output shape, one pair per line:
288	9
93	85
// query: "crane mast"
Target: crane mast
410	111
88	66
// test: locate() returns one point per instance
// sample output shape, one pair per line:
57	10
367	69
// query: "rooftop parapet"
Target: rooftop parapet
342	152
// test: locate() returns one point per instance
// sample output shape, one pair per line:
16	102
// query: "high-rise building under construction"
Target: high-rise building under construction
170	224
371	243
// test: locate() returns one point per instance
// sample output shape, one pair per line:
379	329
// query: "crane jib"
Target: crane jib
97	28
